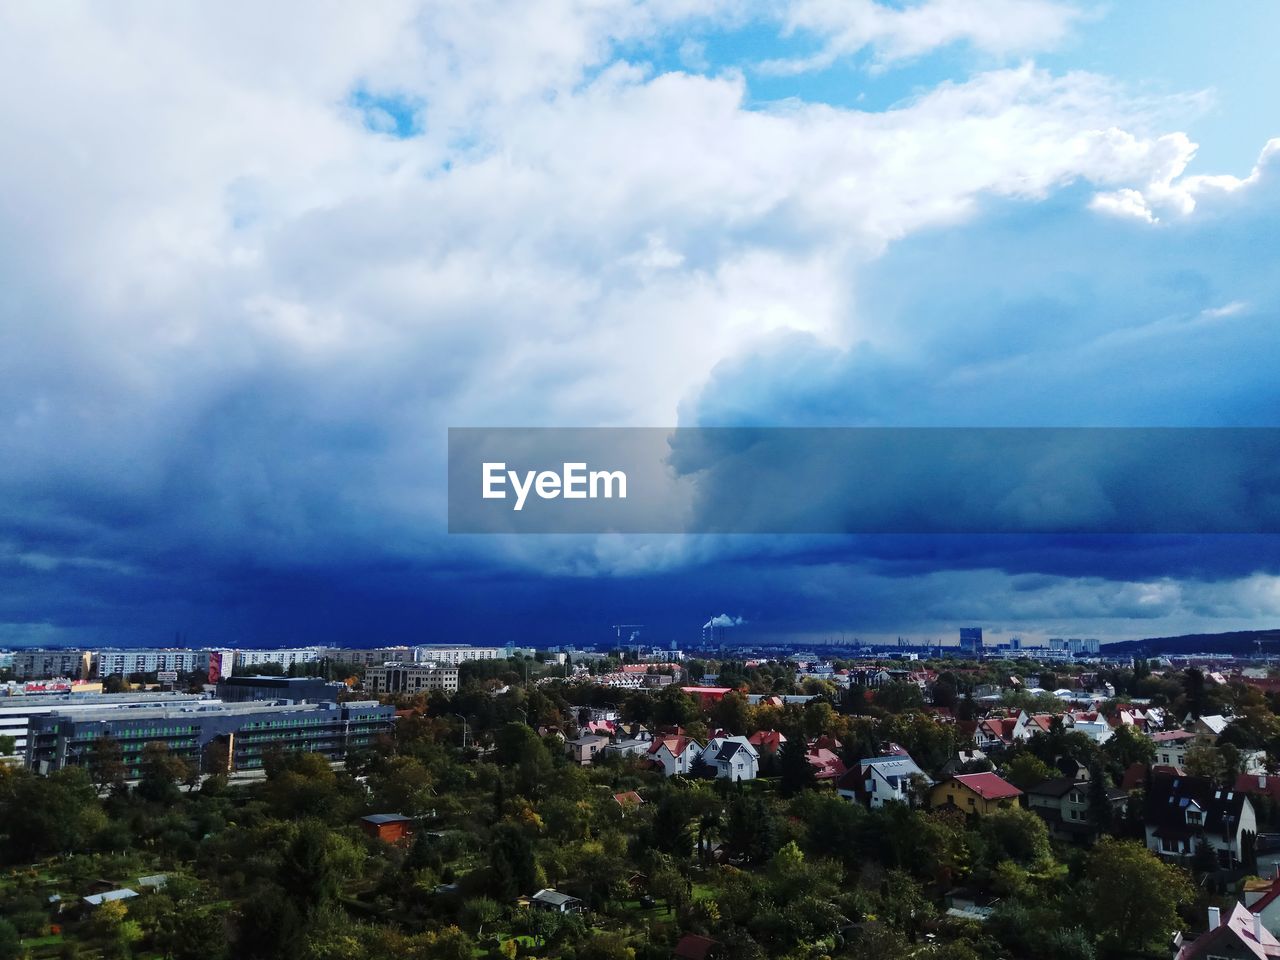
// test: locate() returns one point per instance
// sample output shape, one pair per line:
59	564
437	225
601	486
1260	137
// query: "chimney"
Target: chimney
1214	918
1257	927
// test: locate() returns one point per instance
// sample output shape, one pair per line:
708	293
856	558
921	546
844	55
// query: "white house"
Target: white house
674	754
732	758
1184	812
876	781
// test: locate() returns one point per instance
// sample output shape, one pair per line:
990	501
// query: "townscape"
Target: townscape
458	802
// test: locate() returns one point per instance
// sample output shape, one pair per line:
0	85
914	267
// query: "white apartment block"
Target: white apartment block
411	678
444	653
128	662
285	658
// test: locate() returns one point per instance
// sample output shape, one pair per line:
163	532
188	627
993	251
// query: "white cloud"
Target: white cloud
1170	191
902	32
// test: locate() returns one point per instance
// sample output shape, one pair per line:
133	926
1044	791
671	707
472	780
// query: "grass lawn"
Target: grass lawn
46	941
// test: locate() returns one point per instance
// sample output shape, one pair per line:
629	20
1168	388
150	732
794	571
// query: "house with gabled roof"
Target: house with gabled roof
1065	803
826	765
1184	812
993	733
1262	898
674	754
1211	726
979	793
554	901
1027	725
1241	936
875	781
732	758
767	741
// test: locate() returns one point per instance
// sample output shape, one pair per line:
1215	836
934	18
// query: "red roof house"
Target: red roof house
973	792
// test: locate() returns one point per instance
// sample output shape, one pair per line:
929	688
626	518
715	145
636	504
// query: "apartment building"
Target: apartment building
126	663
411	678
369	658
455	653
285	658
43	664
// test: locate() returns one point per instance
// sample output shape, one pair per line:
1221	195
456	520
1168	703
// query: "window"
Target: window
1168	846
1194	816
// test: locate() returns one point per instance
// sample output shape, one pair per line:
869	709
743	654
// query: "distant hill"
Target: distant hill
1238	642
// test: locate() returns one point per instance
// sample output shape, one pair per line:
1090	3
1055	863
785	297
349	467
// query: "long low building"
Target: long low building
17	713
411	678
247	732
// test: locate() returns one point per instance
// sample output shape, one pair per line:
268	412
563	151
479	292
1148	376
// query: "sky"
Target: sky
256	260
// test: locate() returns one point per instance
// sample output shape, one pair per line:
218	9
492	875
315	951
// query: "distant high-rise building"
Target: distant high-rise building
1084	647
971	639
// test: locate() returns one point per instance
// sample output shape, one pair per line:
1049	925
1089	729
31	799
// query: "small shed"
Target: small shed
393	828
555	901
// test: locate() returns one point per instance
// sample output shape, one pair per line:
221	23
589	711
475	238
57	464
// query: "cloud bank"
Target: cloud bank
258	260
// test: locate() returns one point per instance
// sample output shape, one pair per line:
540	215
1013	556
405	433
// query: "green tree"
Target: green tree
106	763
1099	802
794	766
1193	688
667	883
1131	896
1017	834
315	864
512	862
46	815
732	713
1126	747
10	942
899	697
162	771
1026	770
1206	760
606	946
480	911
